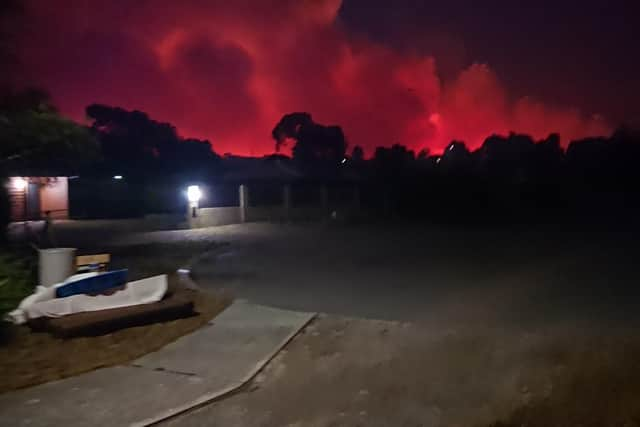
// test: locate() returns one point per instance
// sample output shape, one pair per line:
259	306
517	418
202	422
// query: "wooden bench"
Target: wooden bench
84	263
102	322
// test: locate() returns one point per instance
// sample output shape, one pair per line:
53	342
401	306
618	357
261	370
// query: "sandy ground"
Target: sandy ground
350	372
522	326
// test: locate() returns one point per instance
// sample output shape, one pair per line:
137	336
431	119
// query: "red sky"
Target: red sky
228	70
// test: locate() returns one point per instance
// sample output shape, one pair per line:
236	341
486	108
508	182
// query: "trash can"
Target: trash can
55	265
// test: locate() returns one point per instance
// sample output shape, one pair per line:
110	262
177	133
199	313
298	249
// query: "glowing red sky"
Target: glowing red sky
228	70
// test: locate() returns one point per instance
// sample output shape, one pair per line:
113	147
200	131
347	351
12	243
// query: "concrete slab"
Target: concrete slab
197	368
107	397
239	336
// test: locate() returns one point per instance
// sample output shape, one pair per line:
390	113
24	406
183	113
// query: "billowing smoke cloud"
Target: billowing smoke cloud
229	70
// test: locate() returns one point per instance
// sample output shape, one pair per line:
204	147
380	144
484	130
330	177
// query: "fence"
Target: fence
221	203
277	203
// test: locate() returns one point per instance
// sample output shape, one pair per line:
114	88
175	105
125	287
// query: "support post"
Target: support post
286	201
324	200
244	202
356	198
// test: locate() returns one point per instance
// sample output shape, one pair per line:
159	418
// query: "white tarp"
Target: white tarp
42	293
44	303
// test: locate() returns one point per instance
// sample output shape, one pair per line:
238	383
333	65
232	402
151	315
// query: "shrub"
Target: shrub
17	280
5	213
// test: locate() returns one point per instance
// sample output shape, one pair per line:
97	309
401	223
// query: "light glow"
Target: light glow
19	183
194	194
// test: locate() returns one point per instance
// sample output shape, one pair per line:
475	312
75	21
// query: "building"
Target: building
32	197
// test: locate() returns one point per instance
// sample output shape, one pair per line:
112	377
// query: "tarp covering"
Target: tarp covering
143	291
43	302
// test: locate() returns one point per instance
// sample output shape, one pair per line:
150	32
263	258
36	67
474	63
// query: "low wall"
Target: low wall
208	217
274	213
297	213
307	213
164	221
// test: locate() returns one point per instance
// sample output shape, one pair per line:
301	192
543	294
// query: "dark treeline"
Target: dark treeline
509	178
133	144
515	179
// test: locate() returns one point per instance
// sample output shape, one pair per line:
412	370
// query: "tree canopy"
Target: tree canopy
315	144
133	141
34	137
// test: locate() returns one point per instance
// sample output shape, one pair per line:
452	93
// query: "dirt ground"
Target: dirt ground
353	372
32	358
28	358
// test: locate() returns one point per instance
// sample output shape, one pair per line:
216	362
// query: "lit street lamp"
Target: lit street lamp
194	195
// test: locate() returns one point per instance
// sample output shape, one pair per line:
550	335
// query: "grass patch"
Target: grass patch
17	279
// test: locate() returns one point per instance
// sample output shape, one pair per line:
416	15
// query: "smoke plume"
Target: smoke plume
228	71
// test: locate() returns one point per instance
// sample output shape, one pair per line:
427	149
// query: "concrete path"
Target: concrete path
193	370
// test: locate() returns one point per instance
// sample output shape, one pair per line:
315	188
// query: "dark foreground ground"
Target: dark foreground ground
519	326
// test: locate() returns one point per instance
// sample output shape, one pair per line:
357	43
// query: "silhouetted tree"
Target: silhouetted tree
315	144
456	159
624	156
588	157
132	140
547	159
507	159
393	163
357	154
36	139
604	174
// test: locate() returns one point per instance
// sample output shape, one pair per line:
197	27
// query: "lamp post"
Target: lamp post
193	195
